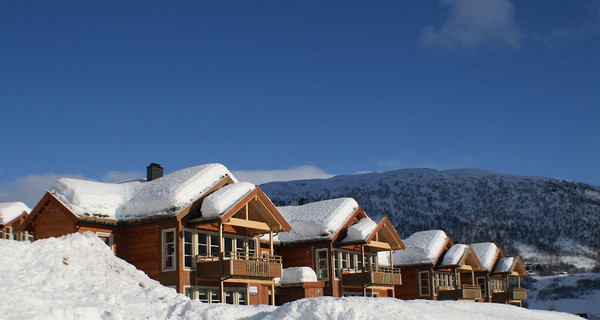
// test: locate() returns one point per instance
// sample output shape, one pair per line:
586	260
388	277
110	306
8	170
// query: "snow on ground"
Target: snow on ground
78	277
571	253
573	293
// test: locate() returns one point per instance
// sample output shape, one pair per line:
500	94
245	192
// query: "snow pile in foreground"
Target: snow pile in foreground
78	277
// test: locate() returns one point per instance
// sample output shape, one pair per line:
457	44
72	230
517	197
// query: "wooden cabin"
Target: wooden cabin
12	216
500	279
196	230
434	268
340	243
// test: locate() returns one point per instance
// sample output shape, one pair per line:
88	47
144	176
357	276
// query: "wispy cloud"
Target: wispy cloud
293	173
30	189
471	23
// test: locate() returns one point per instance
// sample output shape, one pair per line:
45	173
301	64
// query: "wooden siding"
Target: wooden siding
287	293
239	268
53	223
410	284
140	246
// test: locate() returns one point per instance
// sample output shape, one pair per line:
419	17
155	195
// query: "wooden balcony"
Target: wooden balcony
518	293
468	292
511	295
376	276
239	264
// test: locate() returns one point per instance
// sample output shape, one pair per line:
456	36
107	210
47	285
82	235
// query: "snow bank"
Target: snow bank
360	230
423	247
390	308
297	275
225	198
78	277
135	199
317	220
454	254
11	210
486	252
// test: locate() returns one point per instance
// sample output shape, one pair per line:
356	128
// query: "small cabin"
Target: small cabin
12	216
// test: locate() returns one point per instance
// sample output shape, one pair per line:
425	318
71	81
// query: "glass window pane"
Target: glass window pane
203	295
214	296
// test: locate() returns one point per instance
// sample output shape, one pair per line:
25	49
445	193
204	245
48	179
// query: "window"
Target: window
424	283
252	247
322	264
481	283
168	249
8	233
235	296
204	294
188	249
107	238
26	236
214	246
202	244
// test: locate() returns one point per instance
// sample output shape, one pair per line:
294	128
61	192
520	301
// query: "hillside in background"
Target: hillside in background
550	221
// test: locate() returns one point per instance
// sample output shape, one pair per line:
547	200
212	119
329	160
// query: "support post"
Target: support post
364	274
222	291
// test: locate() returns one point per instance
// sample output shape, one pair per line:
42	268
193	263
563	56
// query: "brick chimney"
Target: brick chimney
154	171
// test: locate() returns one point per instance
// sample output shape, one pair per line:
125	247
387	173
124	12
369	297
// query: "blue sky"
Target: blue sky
282	89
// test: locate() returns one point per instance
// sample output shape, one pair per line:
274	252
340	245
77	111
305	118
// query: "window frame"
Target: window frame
164	254
422	293
318	264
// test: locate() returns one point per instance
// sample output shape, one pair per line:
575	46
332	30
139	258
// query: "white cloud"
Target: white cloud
293	173
472	23
118	176
30	189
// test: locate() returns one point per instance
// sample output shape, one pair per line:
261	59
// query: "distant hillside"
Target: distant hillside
471	205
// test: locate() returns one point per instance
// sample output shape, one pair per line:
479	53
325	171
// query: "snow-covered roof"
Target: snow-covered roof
297	275
454	255
486	252
11	210
423	247
504	265
360	230
220	201
137	200
317	220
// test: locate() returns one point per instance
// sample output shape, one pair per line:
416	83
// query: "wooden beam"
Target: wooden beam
250	224
379	244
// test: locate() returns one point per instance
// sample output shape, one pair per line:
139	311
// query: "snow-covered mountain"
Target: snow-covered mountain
543	217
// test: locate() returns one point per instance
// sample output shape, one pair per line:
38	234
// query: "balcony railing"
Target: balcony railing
239	264
512	294
467	292
372	276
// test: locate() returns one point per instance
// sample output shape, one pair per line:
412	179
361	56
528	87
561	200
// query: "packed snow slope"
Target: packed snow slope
470	205
78	277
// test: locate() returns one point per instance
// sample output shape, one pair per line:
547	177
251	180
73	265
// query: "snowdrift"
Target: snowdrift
78	277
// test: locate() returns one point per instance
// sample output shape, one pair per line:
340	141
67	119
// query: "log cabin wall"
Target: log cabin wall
409	289
53	222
